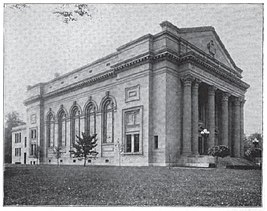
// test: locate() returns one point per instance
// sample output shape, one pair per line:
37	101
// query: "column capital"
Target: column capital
187	79
225	96
237	101
211	90
242	100
196	83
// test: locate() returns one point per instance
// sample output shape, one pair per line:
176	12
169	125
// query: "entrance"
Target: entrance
25	156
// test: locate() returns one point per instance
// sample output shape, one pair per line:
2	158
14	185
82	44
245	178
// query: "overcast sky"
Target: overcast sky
37	44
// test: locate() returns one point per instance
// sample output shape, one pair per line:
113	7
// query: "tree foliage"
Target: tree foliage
72	12
84	147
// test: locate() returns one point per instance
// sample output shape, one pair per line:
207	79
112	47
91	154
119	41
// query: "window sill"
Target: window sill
132	153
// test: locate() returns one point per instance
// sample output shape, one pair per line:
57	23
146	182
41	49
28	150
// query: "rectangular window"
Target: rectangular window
33	149
25	142
136	142
133	125
33	134
156	142
128	143
17	137
17	152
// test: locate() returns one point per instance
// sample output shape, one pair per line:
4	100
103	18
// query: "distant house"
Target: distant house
147	102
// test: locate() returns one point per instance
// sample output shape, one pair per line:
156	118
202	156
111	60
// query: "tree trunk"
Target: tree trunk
84	161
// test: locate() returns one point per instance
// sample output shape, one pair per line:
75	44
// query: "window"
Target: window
108	121
50	130
132	131
33	149
33	134
17	152
90	119
17	137
61	128
156	142
75	124
25	142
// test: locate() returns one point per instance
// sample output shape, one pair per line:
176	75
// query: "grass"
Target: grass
134	186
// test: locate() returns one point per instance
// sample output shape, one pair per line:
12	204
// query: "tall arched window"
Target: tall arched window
90	119
75	124
62	128
108	121
50	129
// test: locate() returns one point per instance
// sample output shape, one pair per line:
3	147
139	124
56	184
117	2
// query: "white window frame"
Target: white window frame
132	133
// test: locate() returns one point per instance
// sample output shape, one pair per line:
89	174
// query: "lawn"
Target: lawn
134	186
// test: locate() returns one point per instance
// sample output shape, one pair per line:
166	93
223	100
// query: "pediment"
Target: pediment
209	42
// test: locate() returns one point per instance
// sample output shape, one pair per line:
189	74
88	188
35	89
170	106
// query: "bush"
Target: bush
253	153
219	151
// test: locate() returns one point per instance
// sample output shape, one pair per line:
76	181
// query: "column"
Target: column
211	116
187	127
225	123
195	117
237	127
242	127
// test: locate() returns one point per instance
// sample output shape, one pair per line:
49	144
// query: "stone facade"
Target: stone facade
147	102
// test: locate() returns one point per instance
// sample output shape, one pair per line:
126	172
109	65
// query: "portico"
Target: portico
206	106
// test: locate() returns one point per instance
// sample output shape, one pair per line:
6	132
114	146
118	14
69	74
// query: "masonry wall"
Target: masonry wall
108	155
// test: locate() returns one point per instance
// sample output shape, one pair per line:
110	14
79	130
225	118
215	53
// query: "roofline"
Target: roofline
202	29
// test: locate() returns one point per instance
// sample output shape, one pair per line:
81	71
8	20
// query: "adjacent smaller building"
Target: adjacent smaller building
20	152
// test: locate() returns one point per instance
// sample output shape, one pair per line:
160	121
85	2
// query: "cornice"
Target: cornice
147	57
191	56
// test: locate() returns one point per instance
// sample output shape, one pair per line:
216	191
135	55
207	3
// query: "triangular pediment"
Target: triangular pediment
206	39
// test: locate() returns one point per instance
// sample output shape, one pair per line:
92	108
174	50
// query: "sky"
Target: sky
37	44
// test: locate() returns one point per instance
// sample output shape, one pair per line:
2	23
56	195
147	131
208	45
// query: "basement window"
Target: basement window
74	161
89	161
106	160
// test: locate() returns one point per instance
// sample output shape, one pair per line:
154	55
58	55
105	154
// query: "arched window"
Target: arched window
62	128
75	124
50	129
90	119
108	121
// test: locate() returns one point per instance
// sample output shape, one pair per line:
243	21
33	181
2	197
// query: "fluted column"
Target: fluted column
211	116
225	125
237	127
242	127
187	127
195	117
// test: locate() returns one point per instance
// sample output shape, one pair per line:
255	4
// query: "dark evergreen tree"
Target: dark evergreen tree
84	147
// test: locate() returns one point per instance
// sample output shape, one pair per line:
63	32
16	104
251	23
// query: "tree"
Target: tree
12	119
219	151
37	153
58	152
72	12
84	147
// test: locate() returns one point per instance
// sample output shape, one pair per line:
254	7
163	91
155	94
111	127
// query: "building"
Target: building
147	103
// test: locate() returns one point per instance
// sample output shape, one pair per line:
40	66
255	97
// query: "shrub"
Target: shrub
253	153
219	151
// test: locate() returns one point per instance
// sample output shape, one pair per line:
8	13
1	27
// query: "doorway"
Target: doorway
25	157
